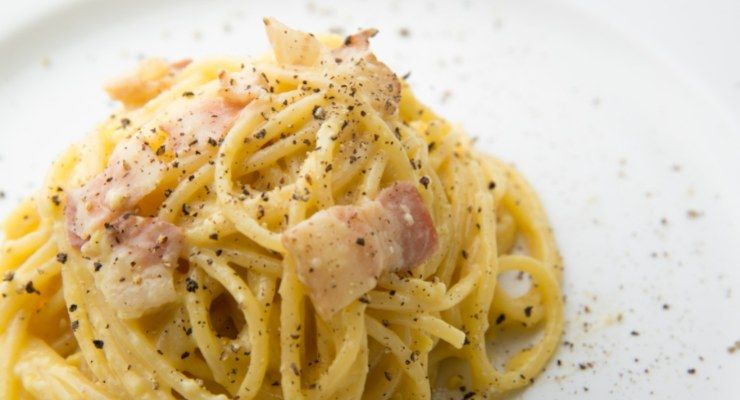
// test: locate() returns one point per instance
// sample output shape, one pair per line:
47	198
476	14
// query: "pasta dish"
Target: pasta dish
295	226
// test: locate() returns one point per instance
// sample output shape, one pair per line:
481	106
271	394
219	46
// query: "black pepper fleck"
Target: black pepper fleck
62	258
191	285
30	289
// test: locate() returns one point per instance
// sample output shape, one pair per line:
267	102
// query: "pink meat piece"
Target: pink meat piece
200	123
133	171
341	251
138	262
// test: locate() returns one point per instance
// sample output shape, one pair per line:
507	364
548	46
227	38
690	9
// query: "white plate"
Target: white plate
617	133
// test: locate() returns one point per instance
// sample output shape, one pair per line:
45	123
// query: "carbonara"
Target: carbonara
296	226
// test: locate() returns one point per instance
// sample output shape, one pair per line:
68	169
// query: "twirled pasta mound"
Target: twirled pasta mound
291	227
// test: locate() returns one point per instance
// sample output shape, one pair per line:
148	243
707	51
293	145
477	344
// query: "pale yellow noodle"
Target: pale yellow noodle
248	190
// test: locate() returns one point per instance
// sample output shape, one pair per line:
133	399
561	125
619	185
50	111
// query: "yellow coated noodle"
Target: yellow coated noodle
228	155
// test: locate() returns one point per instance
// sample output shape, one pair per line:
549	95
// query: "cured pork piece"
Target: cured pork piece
341	251
138	258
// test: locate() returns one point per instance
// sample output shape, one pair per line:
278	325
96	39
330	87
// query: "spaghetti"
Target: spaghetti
154	264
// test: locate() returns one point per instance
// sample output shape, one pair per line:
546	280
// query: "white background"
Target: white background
624	115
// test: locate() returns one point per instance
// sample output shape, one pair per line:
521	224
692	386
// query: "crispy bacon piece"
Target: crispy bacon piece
379	82
243	86
341	251
152	77
417	237
138	259
355	46
291	46
200	123
353	59
133	172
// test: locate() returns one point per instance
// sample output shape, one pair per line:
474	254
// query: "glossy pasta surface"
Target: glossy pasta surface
152	264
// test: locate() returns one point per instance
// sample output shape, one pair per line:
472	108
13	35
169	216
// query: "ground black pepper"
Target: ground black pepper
191	285
30	289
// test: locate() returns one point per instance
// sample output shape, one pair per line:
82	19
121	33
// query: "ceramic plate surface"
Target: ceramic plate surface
624	120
